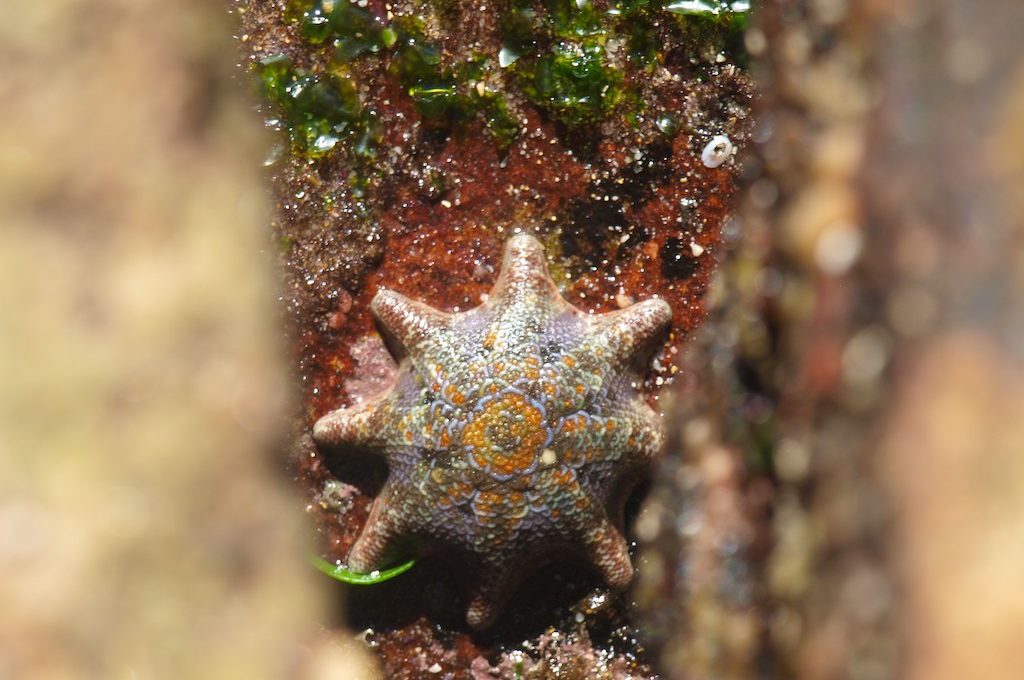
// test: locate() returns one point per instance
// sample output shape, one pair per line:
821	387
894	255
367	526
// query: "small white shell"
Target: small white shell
718	151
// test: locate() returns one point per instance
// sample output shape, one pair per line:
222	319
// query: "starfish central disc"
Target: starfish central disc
506	436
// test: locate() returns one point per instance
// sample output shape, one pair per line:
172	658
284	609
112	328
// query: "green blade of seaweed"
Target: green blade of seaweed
340	573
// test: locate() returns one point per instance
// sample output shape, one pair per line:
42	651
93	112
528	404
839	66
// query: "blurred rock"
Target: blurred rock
144	531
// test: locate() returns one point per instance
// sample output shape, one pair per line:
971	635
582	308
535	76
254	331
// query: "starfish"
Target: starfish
513	433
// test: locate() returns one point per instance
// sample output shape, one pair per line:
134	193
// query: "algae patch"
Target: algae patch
318	110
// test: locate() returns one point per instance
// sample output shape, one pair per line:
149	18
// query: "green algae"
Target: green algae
573	83
444	95
433	89
556	52
570	78
708	8
519	27
450	95
354	30
318	110
497	116
573	19
730	16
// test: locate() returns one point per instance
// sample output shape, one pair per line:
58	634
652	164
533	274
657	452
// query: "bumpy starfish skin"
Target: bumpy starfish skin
512	433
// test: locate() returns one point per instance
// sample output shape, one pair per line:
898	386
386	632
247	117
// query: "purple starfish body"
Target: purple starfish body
514	430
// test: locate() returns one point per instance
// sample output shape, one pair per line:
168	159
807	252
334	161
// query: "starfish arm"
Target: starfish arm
376	543
607	551
646	438
412	323
360	426
654	433
490	596
630	330
524	277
